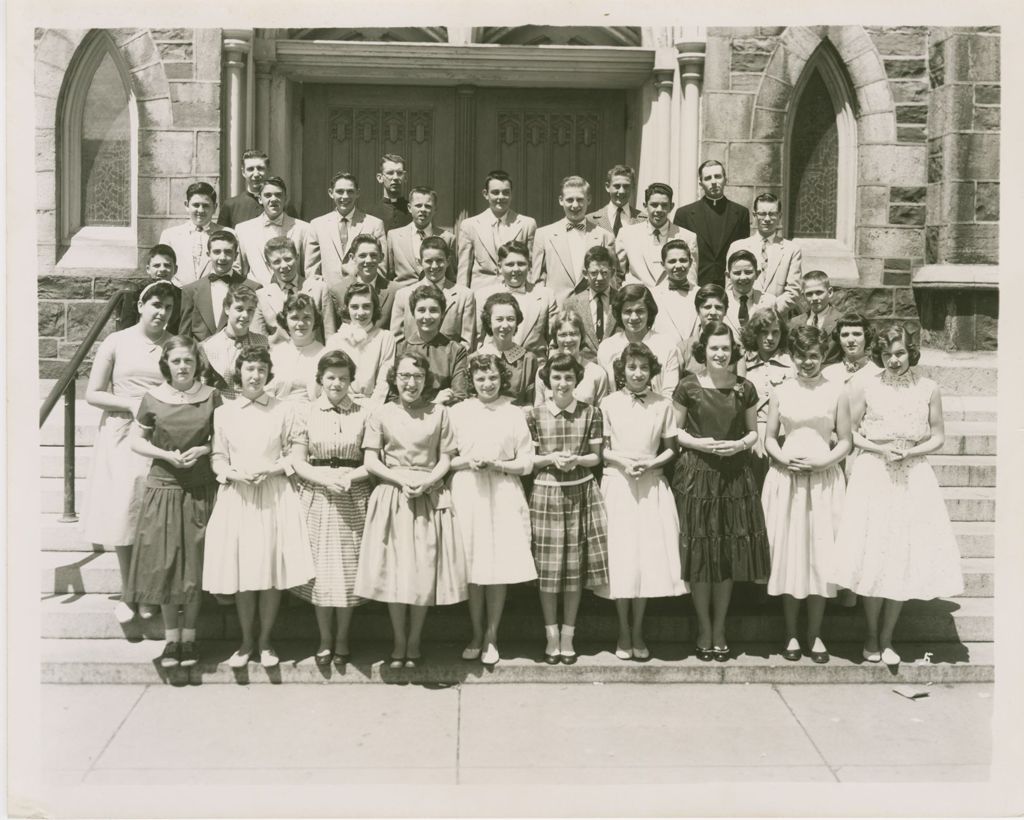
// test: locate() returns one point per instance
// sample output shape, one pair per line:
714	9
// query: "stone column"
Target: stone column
690	55
237	43
664	69
264	54
465	151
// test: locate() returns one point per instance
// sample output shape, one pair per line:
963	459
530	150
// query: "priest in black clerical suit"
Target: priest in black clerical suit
717	221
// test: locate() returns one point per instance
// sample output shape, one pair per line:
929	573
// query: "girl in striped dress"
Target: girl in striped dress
327	440
570	529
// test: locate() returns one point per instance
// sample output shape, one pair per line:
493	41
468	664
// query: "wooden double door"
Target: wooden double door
452	137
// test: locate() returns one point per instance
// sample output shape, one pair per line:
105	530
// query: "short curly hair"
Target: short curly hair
480	362
805	338
190	344
634	292
421	363
889	334
301	301
854	319
425	291
710	291
362	289
715	329
759	322
563	363
634	350
495	299
335	358
253	353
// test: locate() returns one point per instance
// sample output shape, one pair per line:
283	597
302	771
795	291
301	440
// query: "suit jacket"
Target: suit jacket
552	257
403	264
581	303
323	253
713	257
829	317
458	322
640	256
197	311
236	209
478	253
252	238
630	216
757	300
180	239
539	314
781	278
677	315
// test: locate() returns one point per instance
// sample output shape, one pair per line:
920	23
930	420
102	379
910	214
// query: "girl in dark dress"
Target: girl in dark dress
173	427
722	533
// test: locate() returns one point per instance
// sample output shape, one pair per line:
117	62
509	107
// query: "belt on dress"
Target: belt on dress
334	462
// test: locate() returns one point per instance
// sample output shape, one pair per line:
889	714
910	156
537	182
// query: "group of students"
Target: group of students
441	443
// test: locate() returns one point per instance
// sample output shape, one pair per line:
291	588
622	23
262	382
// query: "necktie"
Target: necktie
764	254
198	248
497	233
574	226
683	286
420	236
228	277
343	233
814	321
599	324
657	235
618	221
744	312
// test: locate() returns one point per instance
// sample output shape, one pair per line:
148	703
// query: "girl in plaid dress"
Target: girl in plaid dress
570	529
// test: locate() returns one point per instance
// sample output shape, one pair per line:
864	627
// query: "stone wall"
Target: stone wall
175	76
927	143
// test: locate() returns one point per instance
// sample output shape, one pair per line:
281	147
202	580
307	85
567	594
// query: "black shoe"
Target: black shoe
819	657
792	654
705	653
721	653
189	655
323	658
170	656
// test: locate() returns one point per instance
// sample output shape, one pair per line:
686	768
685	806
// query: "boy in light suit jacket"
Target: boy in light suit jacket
403	262
780	262
639	246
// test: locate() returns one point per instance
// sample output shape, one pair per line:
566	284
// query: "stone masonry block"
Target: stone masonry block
986	207
47	348
150	82
951	109
153	200
970	244
972	156
65	350
911	133
727	116
896	264
785	66
51	319
46	225
986	117
872	204
850	41
877	302
869	271
139	51
903	303
172	35
48	79
106	286
986	94
178	186
64	287
984	58
746	61
770	125
866	69
909	91
208	152
770	31
179	71
914	195
896	278
717	56
46	255
165	152
956	58
176	52
892	165
46	190
932	250
745	82
80	317
876	128
755	163
155	113
899	41
800	40
875	98
906	215
774	94
911	114
150	228
59	45
933	203
46	149
889	242
207	51
195	104
905	68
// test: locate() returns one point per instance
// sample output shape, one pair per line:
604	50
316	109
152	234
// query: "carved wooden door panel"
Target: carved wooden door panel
348	128
540	136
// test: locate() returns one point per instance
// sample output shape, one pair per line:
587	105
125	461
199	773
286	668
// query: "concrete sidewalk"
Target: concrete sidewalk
501	734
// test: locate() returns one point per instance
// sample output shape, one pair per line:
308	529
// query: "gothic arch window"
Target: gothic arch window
821	152
98	127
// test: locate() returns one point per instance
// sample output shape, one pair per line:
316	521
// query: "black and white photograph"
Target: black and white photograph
573	409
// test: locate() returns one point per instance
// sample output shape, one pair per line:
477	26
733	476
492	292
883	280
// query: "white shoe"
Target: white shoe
147	611
268	658
123	612
470	653
239	660
623	654
889	657
872	657
490	655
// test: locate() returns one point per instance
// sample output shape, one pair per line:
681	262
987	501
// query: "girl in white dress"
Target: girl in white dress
804	490
491	514
895	542
370	348
256	541
643	527
635	310
296	351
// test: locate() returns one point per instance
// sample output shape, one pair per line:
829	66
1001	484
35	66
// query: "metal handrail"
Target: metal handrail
66	386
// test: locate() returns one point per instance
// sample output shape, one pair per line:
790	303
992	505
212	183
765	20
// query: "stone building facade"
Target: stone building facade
882	142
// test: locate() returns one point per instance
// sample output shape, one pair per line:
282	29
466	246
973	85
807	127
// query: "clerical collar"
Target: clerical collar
717	205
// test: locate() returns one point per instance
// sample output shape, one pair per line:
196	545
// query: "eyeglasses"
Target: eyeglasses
410	377
761	215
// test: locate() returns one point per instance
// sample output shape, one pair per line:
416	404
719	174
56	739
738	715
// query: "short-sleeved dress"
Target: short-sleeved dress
802	510
410	552
491	512
567	514
110	509
643	527
895	540
294	370
257	537
333	437
721	523
167	562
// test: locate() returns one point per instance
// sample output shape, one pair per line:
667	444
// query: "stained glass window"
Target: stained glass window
814	163
106	150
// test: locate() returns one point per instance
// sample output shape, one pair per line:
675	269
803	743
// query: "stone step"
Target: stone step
969	438
969	408
966	373
51	461
956	619
67	573
970	503
964	471
90	661
976	539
